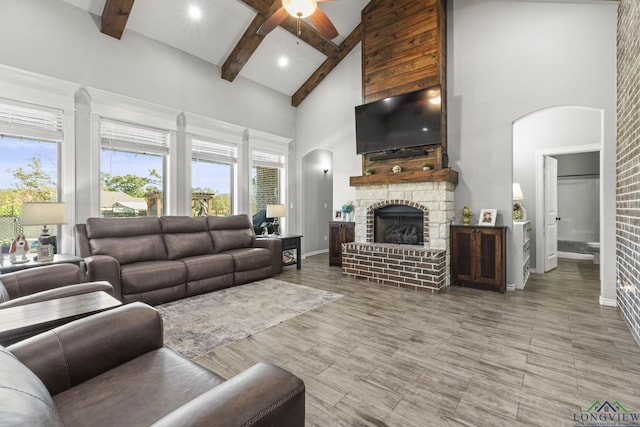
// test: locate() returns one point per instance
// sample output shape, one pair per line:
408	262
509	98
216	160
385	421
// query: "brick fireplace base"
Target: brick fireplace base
398	265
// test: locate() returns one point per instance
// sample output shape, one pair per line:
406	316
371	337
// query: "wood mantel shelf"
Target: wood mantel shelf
436	175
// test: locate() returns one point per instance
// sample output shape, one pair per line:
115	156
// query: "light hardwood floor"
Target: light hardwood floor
385	356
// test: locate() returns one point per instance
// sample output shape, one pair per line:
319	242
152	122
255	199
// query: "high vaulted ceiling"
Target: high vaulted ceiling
219	37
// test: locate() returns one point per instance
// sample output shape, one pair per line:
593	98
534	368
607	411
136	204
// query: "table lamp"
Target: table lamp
44	214
275	212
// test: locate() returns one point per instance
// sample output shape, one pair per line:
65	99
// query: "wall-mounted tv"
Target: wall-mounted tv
408	120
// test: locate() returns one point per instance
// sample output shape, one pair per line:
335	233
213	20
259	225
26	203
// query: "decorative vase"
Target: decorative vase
396	169
426	168
466	214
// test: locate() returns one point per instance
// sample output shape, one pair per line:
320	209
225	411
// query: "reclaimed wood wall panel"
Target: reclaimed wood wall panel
404	50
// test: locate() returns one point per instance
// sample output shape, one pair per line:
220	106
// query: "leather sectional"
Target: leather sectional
156	260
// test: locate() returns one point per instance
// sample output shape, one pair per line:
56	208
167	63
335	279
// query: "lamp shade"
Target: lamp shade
43	213
517	192
275	211
300	8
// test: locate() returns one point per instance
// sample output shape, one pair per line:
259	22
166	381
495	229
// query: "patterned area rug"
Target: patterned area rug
197	325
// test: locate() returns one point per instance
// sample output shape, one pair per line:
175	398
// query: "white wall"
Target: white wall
326	120
510	58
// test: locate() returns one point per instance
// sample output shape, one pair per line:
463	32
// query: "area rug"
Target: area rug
197	325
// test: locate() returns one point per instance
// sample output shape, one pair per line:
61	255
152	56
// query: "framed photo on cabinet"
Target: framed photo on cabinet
487	217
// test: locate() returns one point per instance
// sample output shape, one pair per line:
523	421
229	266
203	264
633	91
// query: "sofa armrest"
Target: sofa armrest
38	279
263	395
73	353
105	268
61	292
275	247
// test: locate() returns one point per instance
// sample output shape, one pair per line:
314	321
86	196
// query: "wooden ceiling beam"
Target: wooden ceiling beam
247	45
329	64
114	17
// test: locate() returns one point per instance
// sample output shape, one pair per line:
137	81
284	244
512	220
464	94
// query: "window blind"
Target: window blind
25	120
132	138
213	151
266	159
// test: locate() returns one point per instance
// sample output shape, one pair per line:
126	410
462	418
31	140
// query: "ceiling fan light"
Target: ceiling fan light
300	8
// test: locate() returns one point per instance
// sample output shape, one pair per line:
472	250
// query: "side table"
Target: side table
24	321
293	241
7	267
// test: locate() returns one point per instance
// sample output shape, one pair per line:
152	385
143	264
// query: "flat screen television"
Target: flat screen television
403	121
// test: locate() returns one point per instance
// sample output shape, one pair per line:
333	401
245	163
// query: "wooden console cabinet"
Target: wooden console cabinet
339	232
478	256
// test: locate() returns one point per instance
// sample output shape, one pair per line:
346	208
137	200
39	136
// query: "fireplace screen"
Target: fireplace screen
398	224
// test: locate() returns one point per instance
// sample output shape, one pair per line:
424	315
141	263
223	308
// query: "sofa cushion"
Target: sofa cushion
250	258
25	399
231	232
138	392
131	249
186	236
122	227
203	266
150	275
4	295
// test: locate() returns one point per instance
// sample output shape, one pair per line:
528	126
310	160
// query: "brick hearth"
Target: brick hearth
398	265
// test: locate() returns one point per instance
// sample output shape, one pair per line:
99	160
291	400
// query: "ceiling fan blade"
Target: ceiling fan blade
273	21
322	22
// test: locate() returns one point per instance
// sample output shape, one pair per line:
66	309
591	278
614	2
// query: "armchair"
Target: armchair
45	283
112	369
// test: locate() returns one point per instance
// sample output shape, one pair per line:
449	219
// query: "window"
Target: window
30	137
212	169
267	179
132	165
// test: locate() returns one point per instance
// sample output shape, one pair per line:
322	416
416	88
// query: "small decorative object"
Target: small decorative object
519	212
426	166
396	169
488	217
347	210
265	231
338	214
466	215
368	171
19	248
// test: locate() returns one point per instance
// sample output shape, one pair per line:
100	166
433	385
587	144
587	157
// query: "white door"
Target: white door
550	213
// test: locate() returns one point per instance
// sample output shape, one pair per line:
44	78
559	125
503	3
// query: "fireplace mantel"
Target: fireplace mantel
439	175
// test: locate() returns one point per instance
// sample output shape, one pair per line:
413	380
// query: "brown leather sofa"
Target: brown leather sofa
111	369
156	260
45	283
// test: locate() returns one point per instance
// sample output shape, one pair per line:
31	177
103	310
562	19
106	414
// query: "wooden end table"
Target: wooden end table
291	241
24	321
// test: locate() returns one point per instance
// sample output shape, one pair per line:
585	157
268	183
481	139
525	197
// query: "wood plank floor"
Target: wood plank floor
385	356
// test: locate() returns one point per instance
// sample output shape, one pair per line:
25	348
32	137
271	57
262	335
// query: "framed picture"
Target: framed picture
487	217
338	215
45	253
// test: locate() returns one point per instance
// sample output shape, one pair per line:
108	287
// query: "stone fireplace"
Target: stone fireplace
416	217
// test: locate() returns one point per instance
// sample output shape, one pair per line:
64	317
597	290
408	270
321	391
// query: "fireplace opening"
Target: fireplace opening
399	224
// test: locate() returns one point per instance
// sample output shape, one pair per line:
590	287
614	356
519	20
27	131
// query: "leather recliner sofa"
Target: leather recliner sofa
45	283
156	260
111	369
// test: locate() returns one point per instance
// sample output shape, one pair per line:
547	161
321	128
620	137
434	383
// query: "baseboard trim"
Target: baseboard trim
574	255
511	286
321	251
608	302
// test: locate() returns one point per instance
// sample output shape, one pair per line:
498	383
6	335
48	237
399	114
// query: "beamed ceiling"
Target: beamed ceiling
226	36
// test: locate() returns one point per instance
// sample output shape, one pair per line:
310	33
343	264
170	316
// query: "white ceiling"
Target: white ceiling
222	24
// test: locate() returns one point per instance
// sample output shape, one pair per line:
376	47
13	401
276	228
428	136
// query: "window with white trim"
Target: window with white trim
267	179
30	140
133	161
212	169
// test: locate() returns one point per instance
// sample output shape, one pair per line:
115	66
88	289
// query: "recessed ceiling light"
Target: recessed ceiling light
195	12
283	61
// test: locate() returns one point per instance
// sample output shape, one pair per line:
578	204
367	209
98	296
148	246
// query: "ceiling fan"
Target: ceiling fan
301	9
